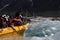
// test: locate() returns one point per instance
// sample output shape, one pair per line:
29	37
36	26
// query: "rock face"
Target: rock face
34	7
12	6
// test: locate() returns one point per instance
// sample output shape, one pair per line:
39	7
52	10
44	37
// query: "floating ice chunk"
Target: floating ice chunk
48	30
53	28
38	38
52	34
43	32
46	35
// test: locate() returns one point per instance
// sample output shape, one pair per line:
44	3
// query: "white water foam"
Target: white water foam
43	30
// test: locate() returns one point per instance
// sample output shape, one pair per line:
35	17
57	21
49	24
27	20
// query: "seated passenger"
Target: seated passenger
9	23
1	24
4	22
17	21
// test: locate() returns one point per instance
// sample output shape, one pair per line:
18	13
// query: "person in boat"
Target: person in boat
17	19
9	22
4	22
1	24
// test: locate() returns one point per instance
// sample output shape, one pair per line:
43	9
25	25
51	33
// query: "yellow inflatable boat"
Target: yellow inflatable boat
15	28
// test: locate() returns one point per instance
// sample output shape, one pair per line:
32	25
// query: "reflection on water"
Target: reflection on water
11	36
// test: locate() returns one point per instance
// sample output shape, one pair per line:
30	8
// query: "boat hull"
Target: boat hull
14	29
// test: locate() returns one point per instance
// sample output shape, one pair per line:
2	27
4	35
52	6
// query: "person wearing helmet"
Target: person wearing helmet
17	19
